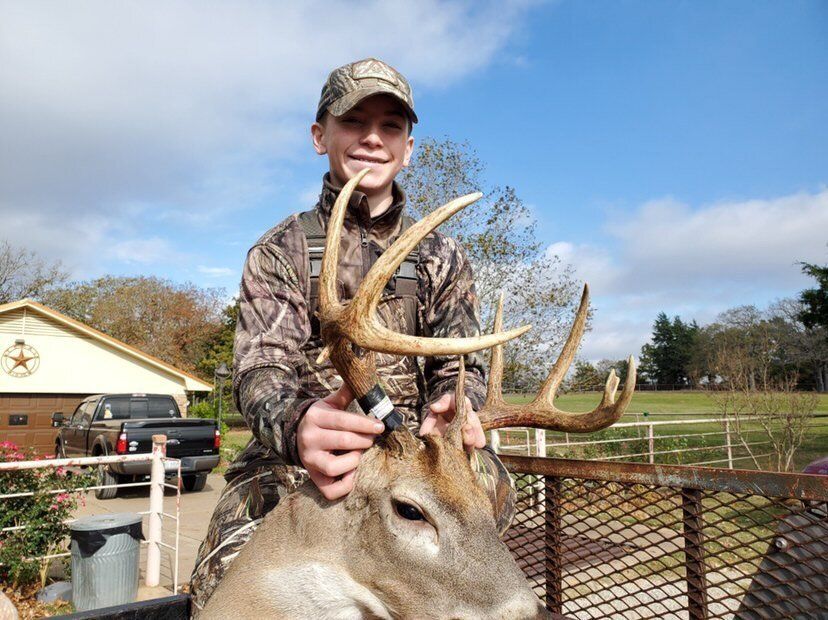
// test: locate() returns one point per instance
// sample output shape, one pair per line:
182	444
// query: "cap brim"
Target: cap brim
348	101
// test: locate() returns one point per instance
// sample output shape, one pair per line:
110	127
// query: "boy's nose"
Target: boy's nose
371	138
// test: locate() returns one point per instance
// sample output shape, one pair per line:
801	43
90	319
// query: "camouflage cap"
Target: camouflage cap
351	83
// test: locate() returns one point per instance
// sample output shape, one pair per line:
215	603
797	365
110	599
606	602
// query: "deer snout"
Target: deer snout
525	606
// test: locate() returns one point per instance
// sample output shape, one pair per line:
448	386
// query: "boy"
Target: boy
297	409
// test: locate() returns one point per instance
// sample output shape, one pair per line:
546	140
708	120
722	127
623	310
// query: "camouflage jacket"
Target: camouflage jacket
276	377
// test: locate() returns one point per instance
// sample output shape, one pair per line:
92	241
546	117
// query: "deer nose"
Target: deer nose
525	606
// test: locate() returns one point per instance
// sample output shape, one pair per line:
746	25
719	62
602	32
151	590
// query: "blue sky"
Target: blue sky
674	153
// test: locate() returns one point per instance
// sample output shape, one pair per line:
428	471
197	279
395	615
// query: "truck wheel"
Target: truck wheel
194	484
104	476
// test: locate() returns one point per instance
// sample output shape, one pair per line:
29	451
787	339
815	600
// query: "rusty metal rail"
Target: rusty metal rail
634	540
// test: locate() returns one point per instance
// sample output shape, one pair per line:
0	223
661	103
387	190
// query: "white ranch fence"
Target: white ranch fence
161	465
682	439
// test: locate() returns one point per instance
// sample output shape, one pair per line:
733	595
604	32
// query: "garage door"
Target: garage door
26	419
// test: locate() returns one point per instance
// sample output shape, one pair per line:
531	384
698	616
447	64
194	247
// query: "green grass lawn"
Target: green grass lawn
662	406
653	402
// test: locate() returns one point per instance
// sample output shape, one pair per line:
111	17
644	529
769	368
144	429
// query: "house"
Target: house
50	362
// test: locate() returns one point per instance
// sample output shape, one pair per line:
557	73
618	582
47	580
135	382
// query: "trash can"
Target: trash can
105	555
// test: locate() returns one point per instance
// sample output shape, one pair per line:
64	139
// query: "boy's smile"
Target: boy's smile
373	134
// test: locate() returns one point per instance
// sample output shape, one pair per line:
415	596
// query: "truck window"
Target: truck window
138	408
76	416
88	409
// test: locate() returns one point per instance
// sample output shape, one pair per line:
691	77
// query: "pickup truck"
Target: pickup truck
107	424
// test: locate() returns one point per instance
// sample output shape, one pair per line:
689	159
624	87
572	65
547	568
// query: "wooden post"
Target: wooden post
651	441
159	450
693	526
495	440
553	544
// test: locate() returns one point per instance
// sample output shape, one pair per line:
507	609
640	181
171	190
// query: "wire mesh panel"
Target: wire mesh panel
619	540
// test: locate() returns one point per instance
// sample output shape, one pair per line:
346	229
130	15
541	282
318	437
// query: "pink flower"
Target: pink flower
62	497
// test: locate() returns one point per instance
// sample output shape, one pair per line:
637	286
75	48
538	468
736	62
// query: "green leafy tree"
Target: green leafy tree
815	300
666	359
814	315
220	350
499	236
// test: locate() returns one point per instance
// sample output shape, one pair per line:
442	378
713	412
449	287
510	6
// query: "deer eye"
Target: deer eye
408	511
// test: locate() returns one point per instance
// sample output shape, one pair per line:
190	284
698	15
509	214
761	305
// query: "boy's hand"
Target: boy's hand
442	412
330	442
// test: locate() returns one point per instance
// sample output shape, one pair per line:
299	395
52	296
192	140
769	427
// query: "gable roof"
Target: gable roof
191	382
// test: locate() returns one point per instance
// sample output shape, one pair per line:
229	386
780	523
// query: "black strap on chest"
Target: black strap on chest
402	284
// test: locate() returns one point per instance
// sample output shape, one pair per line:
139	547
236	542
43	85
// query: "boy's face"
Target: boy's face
373	134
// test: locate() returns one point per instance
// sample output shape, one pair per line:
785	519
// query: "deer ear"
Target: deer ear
454	431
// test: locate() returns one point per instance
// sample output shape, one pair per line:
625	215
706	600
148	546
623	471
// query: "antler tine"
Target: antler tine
570	348
541	412
454	431
358	321
494	389
328	295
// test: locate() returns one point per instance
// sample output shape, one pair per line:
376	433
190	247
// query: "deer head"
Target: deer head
416	537
432	531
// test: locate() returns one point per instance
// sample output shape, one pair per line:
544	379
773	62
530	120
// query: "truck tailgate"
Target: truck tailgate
185	436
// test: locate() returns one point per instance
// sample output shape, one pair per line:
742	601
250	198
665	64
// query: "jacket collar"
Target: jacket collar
358	210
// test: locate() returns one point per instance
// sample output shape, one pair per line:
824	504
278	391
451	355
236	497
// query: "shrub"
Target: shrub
42	513
207	410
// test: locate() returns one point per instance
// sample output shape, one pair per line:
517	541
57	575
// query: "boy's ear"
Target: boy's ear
409	149
318	138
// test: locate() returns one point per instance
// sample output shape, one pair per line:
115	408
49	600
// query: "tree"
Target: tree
24	275
767	408
815	300
220	350
585	377
605	366
594	377
174	322
499	236
814	315
667	359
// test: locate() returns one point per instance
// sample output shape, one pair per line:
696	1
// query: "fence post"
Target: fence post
159	450
495	440
553	544
692	530
728	444
540	442
651	442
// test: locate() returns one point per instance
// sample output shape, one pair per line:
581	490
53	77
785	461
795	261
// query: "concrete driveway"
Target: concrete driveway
195	512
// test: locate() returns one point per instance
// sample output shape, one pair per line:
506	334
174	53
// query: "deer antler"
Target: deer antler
541	412
357	323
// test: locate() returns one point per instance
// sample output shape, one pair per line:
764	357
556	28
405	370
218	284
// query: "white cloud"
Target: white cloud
739	243
141	251
112	101
694	262
215	272
144	117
